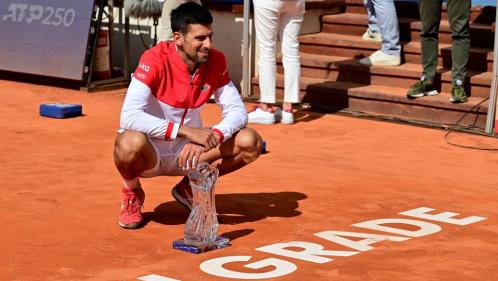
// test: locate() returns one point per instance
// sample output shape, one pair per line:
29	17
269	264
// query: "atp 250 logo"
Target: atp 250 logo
56	16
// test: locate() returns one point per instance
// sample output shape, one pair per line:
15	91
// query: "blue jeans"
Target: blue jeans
382	18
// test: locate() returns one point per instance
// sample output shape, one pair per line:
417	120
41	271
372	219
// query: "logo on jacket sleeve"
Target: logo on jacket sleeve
205	87
140	76
145	67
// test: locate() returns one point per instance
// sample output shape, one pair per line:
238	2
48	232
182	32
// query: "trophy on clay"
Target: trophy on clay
201	228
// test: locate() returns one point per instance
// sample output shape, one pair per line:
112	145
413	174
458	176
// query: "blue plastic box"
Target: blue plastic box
60	110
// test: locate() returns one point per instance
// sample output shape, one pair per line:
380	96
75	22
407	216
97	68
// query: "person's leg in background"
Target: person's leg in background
430	16
459	16
290	24
266	20
387	20
165	33
373	32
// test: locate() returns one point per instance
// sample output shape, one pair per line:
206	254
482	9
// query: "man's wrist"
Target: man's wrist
219	133
183	131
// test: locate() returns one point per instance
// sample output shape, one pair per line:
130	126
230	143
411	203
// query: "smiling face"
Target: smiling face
195	44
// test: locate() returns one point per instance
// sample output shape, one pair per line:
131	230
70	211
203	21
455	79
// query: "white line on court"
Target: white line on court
155	277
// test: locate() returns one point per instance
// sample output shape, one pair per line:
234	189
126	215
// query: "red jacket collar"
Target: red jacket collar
171	50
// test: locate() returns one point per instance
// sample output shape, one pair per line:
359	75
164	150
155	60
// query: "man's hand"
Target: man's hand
189	156
204	137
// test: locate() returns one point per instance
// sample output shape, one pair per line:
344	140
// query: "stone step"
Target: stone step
409	9
380	100
482	35
352	46
333	68
356	24
480	59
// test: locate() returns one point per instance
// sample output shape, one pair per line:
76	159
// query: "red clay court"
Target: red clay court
324	174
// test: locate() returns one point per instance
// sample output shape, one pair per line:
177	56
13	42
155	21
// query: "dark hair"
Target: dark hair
187	14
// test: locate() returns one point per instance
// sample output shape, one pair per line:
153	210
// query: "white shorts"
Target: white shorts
167	155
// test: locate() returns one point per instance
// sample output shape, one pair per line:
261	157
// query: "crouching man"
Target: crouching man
161	128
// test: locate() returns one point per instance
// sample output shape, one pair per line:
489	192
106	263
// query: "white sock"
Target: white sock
131	184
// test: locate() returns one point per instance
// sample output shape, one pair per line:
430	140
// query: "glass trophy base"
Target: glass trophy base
219	243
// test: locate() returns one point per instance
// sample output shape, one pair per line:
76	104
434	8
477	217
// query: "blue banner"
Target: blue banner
45	37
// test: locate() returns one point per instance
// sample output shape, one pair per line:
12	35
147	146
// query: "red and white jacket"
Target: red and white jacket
163	95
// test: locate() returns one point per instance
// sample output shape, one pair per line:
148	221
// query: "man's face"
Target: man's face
196	43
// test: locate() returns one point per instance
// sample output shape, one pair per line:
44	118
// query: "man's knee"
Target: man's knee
250	143
129	146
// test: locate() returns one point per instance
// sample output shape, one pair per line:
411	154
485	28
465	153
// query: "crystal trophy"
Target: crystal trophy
201	228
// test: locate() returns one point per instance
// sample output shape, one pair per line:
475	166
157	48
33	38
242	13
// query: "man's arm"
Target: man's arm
134	117
234	114
202	136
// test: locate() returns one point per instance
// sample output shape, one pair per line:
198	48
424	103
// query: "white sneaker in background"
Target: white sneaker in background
381	58
259	116
287	118
372	36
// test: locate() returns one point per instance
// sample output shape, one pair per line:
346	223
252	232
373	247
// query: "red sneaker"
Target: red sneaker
132	201
182	192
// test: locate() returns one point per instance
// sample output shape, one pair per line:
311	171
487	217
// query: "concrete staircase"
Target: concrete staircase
333	78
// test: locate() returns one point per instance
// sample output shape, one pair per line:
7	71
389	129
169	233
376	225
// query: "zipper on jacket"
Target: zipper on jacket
189	97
